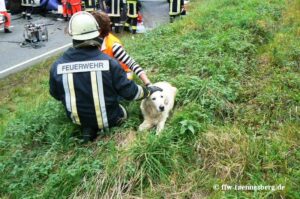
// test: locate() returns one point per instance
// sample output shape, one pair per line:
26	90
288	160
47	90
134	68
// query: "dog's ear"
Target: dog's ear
149	107
166	102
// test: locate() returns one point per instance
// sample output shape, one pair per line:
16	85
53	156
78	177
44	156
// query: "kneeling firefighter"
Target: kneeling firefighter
89	83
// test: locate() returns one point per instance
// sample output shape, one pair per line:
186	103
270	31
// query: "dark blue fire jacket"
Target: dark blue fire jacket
89	84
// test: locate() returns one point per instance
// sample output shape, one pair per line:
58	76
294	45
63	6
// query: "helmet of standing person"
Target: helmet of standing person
83	26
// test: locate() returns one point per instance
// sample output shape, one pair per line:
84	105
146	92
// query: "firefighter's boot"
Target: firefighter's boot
6	30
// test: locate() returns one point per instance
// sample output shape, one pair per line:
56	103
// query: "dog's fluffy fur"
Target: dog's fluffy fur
157	107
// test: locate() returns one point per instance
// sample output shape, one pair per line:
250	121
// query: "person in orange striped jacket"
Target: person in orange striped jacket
112	46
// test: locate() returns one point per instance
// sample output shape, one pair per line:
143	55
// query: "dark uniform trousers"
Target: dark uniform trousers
175	7
133	7
114	9
28	6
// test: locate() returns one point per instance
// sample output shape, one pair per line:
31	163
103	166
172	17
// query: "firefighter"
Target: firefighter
133	7
176	7
67	9
5	16
114	9
75	6
28	6
113	47
89	82
90	5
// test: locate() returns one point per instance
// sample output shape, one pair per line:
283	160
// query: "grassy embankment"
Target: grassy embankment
236	122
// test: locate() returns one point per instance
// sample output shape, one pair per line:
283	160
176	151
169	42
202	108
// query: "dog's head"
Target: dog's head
159	100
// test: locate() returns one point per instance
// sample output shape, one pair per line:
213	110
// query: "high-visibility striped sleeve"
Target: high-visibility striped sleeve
121	55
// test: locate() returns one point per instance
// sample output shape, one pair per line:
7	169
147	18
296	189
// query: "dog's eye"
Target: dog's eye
161	96
153	98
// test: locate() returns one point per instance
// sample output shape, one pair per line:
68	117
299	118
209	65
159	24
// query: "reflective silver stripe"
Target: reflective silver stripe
96	99
73	98
174	12
113	14
68	98
140	93
134	9
112	7
118	9
89	9
67	92
101	98
118	24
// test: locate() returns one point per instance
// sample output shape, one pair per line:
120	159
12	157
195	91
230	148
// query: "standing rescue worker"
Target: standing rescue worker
176	7
28	6
89	82
133	7
114	9
5	16
113	47
90	5
75	6
67	9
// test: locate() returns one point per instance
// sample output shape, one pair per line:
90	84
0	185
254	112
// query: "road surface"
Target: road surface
14	58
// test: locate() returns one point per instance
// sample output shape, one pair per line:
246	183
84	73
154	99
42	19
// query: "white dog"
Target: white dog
156	108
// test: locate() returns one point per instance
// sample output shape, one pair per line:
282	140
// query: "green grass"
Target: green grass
236	120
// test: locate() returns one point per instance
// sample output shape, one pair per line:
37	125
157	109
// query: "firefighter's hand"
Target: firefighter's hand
152	89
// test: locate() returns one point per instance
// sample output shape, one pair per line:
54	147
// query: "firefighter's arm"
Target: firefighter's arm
145	79
53	87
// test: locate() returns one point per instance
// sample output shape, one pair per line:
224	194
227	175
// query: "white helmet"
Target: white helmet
83	26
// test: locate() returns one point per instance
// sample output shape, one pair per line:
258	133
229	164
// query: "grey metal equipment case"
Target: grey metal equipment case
34	34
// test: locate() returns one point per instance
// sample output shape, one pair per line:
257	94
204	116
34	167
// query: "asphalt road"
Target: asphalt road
155	13
14	58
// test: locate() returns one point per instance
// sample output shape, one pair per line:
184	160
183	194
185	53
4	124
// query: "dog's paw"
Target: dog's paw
159	128
144	126
141	128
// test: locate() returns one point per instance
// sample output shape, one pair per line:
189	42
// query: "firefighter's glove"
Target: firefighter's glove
152	89
148	84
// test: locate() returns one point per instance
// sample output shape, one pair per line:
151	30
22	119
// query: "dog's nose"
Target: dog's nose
161	108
